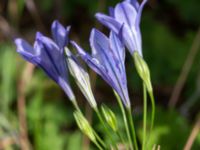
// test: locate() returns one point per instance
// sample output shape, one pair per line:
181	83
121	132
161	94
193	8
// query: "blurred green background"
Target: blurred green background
35	113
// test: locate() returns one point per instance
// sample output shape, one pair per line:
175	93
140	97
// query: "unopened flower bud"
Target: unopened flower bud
81	77
143	70
84	125
109	117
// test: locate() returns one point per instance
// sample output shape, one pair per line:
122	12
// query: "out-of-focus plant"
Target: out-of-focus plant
8	123
8	70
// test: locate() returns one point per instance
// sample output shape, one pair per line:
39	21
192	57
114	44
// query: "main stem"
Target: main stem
132	128
76	105
153	109
144	117
97	144
99	139
125	120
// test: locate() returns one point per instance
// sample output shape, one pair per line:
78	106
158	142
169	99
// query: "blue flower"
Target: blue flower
126	15
49	55
107	60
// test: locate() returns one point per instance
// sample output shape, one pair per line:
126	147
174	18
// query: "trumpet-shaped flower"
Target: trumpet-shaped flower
107	60
49	55
81	77
127	15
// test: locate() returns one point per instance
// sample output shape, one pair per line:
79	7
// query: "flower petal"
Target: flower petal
109	22
118	49
140	13
95	65
92	62
48	43
114	25
134	3
54	65
46	62
66	88
60	34
99	42
27	51
126	13
102	48
54	54
129	38
111	12
101	51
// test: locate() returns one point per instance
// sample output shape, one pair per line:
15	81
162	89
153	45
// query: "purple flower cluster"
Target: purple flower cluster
126	16
107	59
49	55
108	53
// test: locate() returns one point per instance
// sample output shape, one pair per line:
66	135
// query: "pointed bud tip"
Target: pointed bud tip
143	70
68	52
109	117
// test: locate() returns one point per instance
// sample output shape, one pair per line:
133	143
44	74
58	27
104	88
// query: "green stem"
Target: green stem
99	139
104	125
97	144
132	127
76	105
144	117
125	120
122	139
153	110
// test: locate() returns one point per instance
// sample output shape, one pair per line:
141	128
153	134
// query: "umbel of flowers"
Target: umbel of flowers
107	59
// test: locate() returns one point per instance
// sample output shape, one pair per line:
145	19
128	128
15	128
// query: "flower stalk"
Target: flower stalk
131	122
144	118
125	121
144	73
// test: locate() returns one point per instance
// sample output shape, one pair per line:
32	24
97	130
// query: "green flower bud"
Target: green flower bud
81	77
84	125
109	117
143	70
